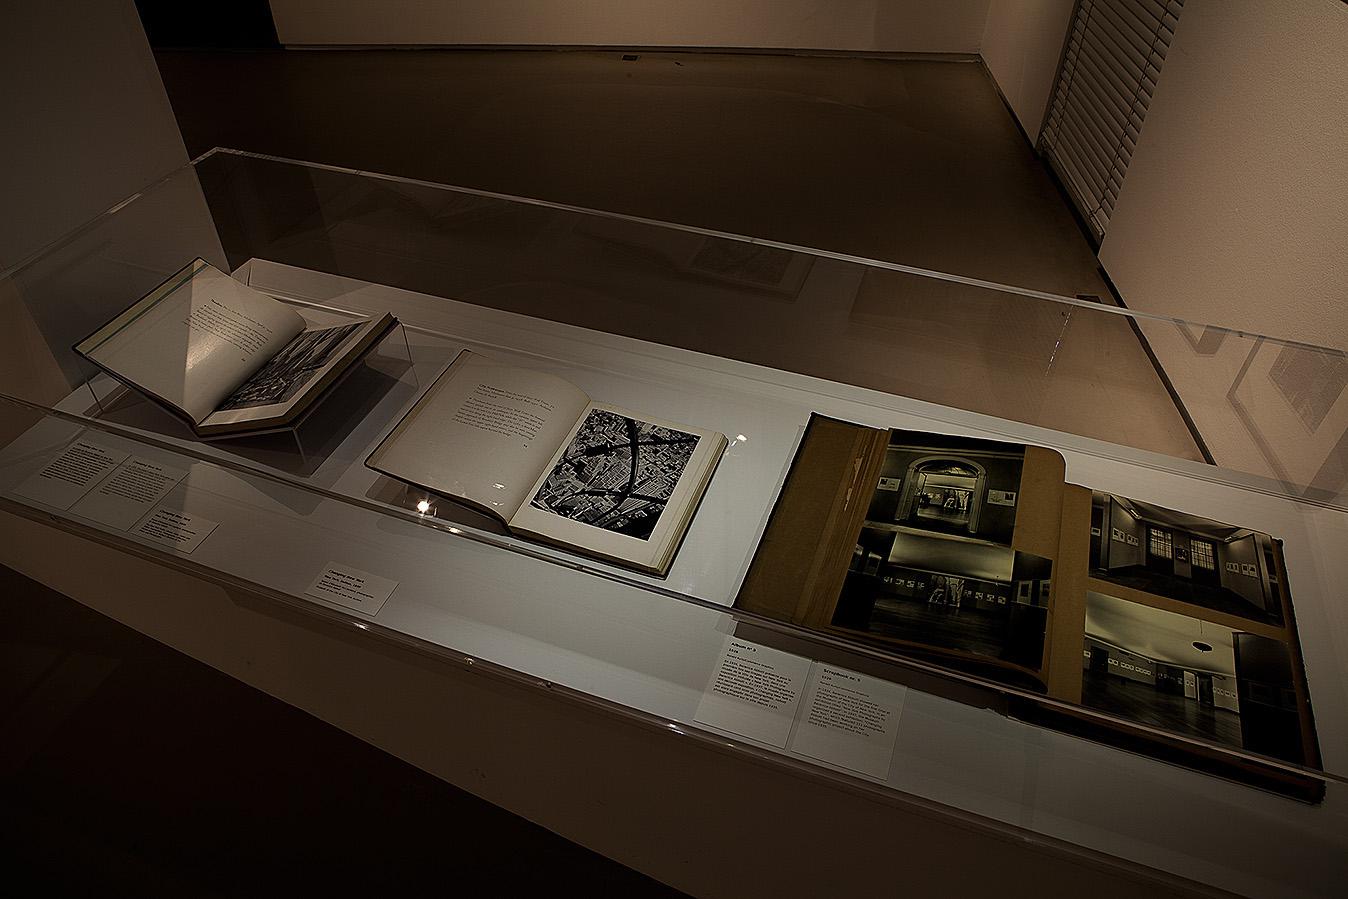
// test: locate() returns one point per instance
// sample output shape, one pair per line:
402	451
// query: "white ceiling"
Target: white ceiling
1159	635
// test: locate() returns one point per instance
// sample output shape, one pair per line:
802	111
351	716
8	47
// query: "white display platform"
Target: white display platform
618	640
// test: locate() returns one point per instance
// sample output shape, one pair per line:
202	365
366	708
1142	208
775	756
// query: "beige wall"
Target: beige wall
85	118
1235	207
914	26
1022	43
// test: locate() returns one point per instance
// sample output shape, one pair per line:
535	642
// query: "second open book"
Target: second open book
976	555
534	451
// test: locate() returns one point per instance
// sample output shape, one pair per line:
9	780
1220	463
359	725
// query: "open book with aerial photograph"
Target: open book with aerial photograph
225	357
976	555
535	452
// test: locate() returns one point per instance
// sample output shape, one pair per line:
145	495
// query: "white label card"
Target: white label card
175	529
63	480
352	588
129	492
850	720
754	692
821	711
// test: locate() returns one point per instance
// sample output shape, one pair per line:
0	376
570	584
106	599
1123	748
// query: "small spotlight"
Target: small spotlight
423	507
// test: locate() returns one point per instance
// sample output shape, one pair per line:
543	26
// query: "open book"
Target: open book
224	356
535	452
975	555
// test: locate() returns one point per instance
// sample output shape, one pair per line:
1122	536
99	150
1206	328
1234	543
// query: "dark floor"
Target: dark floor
1147	705
129	769
917	162
966	629
953	519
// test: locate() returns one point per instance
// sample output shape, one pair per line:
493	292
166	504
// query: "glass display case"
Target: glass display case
1177	456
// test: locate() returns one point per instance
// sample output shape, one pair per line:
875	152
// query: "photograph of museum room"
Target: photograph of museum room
1218	566
950	594
1190	677
960	486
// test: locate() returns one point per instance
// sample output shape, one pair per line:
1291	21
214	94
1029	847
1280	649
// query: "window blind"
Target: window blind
1110	67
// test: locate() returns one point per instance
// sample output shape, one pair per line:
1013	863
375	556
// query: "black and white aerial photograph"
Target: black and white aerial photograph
617	474
289	370
1218	566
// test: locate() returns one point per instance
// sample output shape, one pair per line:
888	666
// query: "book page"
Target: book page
622	486
285	381
193	340
482	432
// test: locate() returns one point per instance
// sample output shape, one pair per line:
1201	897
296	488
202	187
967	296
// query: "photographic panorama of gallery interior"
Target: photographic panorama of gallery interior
949	485
933	564
1189	676
1196	560
970	597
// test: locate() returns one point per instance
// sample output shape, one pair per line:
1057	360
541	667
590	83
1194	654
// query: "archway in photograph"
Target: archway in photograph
943	493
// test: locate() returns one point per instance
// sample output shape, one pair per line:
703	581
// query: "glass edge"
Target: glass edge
88	225
865	262
567	561
690	730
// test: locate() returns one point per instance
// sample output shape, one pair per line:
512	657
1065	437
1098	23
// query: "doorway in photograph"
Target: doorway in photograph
945	494
961	487
1160	551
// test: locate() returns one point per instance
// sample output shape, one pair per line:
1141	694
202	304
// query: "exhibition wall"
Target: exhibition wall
896	26
90	125
1235	207
96	123
1022	44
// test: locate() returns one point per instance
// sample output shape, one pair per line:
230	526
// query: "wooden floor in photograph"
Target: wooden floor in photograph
1145	704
